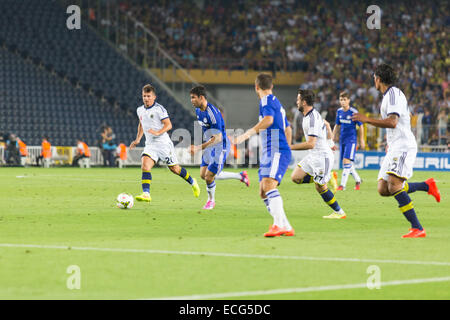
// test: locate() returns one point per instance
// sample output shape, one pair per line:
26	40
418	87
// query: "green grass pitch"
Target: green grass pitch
172	248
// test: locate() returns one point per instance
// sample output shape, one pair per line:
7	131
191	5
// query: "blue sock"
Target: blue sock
329	198
186	176
406	207
146	180
415	186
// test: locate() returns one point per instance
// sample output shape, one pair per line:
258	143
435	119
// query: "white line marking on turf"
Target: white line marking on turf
299	290
226	255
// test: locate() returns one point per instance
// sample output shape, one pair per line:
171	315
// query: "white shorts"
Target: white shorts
319	166
161	151
398	163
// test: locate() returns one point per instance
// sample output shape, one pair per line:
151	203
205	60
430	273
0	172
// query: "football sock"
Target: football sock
345	173
406	207
266	202
186	176
330	200
354	173
146	180
277	210
415	186
211	189
228	175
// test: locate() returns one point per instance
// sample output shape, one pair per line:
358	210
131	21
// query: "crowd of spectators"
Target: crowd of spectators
328	40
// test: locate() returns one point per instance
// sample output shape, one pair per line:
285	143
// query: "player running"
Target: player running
348	141
154	122
317	165
216	148
275	156
397	166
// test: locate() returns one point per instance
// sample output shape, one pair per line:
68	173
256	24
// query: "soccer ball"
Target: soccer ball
125	201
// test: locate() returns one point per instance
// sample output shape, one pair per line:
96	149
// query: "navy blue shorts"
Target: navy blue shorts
274	167
348	151
215	159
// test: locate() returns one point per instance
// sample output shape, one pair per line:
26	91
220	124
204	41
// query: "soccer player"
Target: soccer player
397	166
275	156
154	122
216	147
317	165
348	139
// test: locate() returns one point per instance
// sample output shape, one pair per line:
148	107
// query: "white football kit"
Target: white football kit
156	147
401	143
319	161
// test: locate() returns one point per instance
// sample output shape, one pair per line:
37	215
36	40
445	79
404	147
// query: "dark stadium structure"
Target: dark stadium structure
67	85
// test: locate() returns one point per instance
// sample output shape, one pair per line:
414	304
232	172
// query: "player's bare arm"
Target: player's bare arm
167	125
138	137
390	122
336	131
362	143
288	134
262	125
309	144
215	139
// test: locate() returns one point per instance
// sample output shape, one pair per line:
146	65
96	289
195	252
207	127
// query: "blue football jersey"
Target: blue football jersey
273	139
348	126
212	121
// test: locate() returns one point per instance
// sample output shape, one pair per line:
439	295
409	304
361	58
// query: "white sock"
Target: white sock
228	175
345	174
266	202
277	210
211	189
354	173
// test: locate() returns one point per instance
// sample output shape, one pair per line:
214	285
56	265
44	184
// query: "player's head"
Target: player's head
198	96
384	75
263	82
344	99
305	99
148	95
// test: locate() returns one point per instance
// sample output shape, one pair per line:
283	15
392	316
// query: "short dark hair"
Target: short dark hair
148	88
386	74
198	91
264	81
344	94
307	95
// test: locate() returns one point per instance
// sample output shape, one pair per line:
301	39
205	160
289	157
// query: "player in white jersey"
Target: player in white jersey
154	122
318	164
397	166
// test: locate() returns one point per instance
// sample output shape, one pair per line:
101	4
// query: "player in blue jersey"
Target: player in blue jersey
275	155
348	140
216	146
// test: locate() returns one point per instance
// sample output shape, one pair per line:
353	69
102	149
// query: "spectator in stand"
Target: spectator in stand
426	126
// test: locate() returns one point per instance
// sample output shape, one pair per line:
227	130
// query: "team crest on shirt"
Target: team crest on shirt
205	120
395	159
151	116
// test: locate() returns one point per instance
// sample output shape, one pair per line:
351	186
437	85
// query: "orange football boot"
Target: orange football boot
433	189
275	231
415	233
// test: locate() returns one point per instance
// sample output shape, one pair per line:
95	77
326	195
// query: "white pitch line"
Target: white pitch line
299	290
225	255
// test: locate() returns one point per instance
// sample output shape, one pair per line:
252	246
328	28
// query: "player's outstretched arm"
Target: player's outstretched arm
336	130
215	139
138	137
362	142
309	144
262	125
390	122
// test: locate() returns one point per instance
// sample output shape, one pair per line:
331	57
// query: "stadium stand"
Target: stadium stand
324	39
67	84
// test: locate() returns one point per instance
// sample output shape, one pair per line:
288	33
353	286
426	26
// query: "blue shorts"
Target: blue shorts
214	159
348	151
274	167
